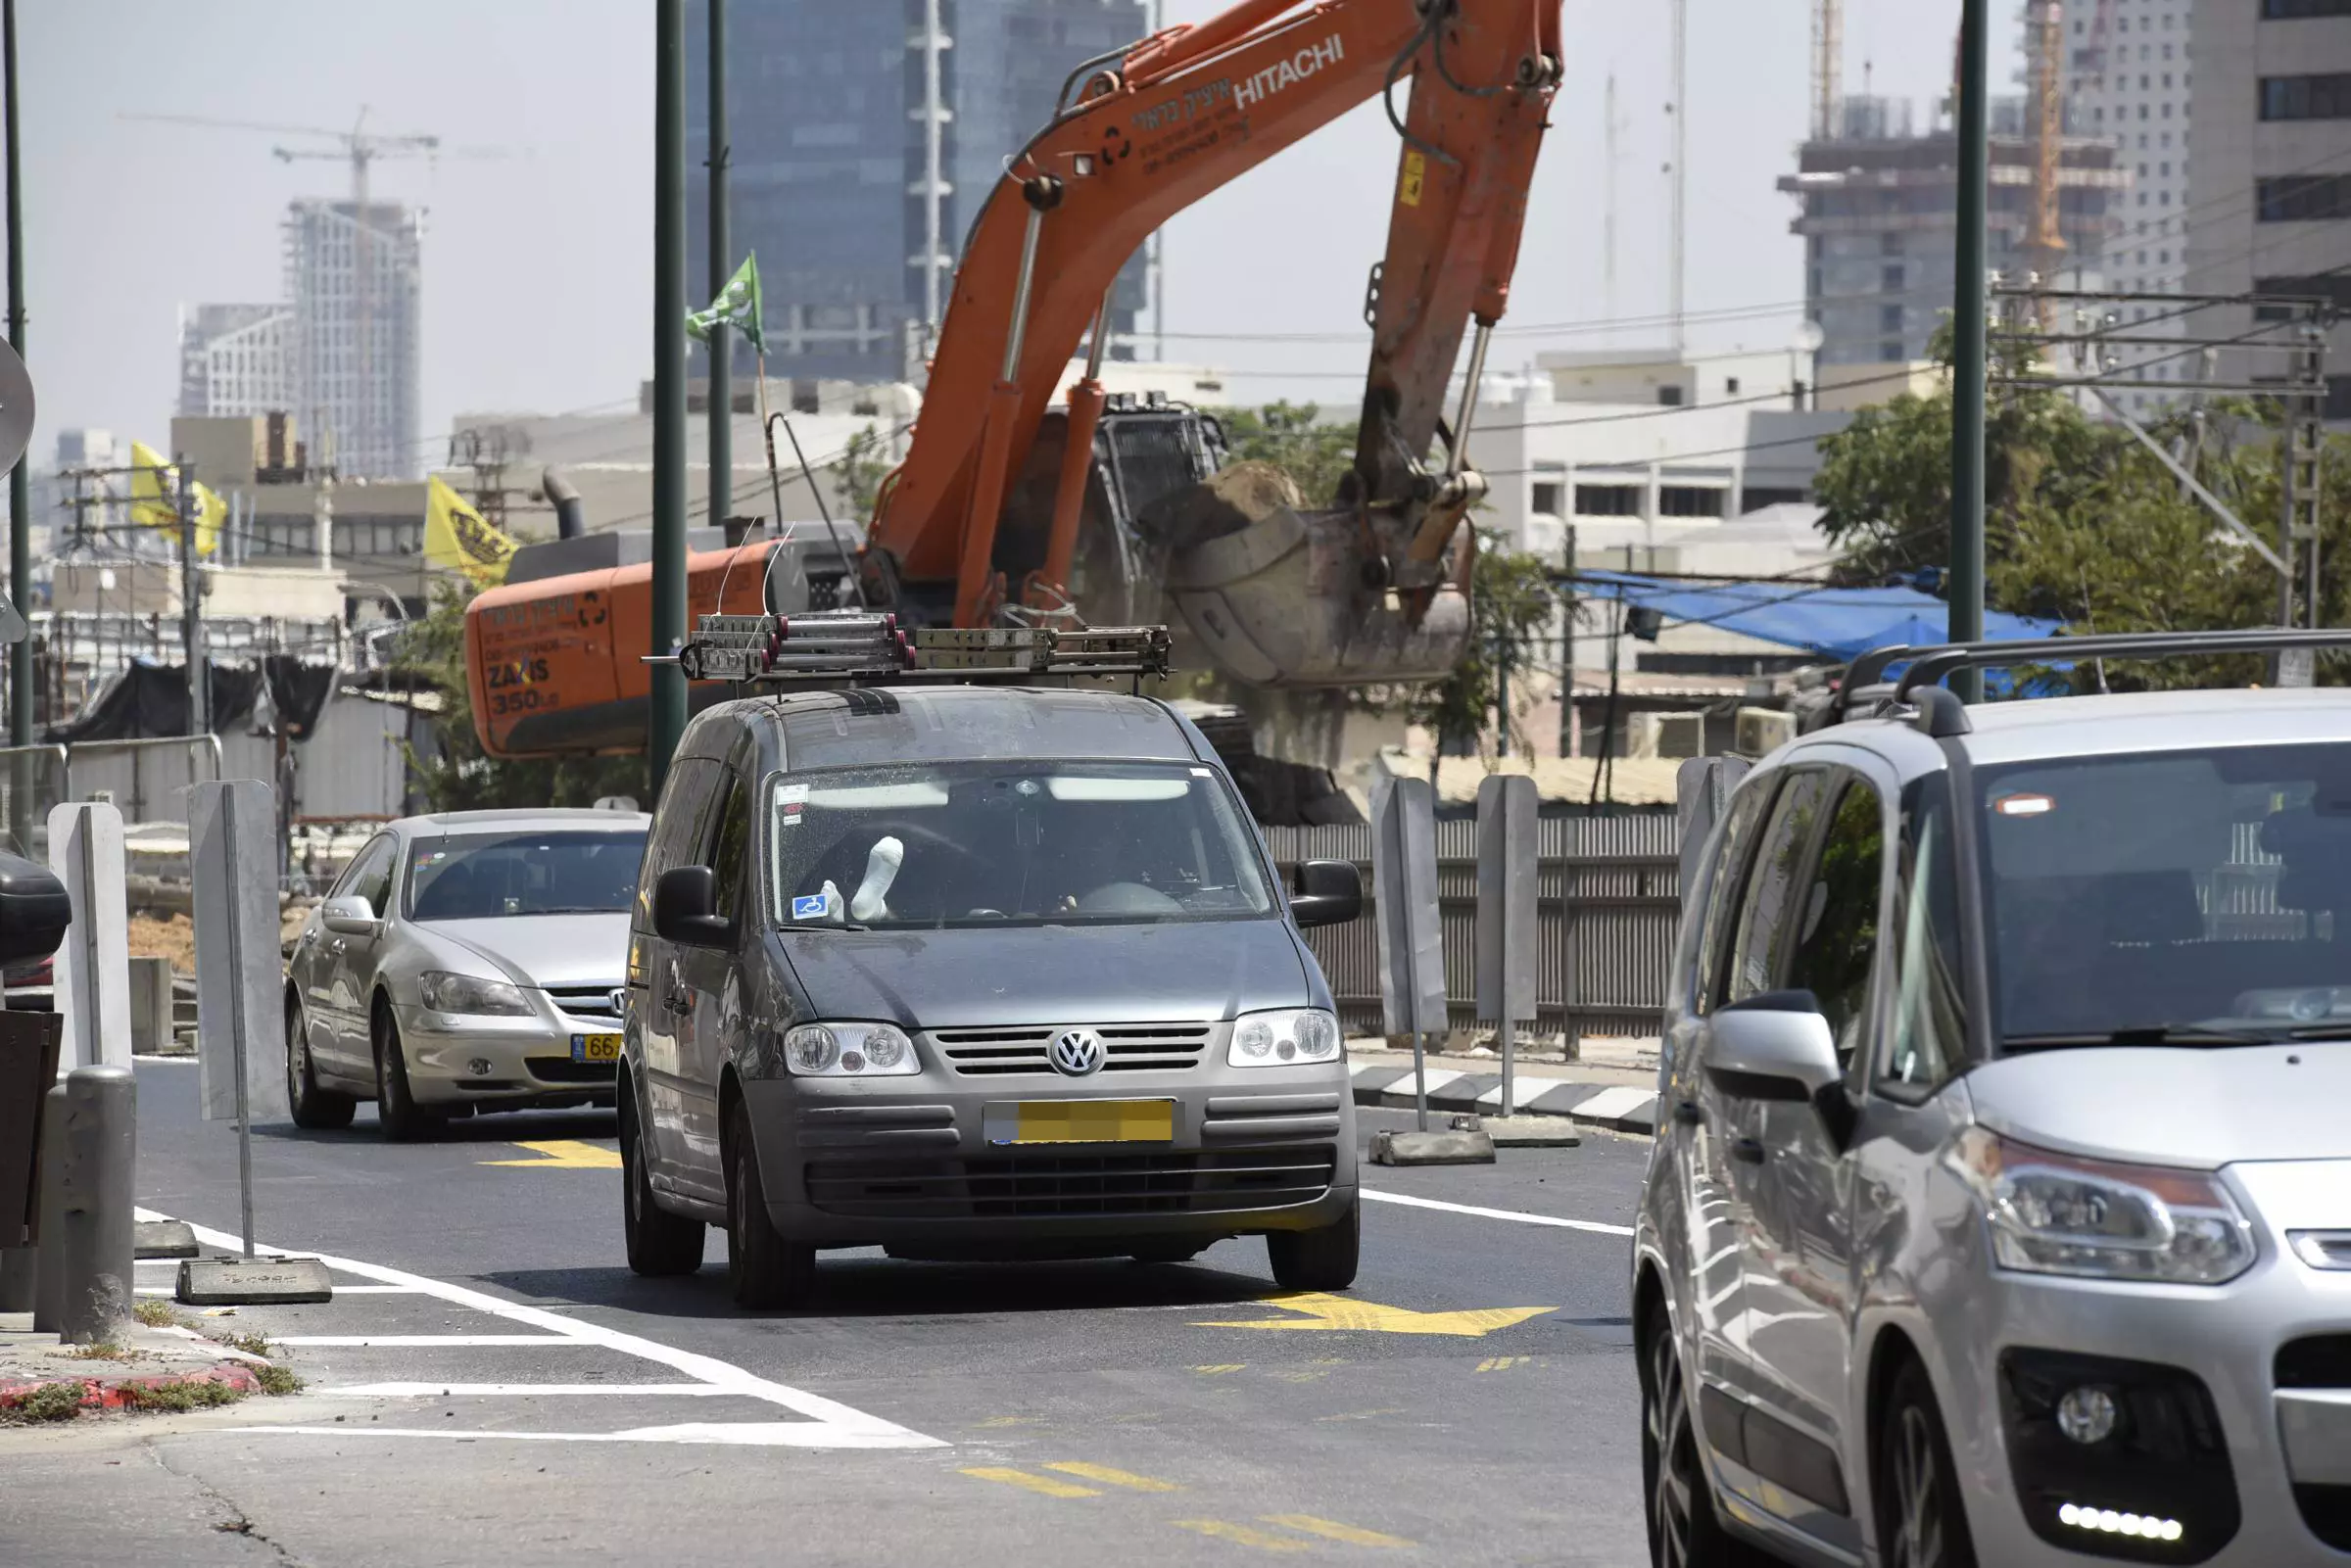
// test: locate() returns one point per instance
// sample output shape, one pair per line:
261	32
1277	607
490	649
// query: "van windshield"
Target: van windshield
2187	896
957	844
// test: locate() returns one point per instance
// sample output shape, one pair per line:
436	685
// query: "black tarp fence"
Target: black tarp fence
280	694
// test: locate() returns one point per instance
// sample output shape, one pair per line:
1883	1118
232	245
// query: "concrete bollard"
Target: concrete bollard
98	1243
48	1300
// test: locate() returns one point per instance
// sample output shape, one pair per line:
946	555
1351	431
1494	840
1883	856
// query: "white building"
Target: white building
352	283
235	360
2272	166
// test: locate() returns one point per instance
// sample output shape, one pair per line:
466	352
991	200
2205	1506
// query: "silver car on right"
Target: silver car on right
2000	1211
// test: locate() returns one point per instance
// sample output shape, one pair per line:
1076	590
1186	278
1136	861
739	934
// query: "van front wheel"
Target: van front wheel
764	1270
1316	1260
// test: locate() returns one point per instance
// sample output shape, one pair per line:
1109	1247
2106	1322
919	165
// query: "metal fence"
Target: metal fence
1607	899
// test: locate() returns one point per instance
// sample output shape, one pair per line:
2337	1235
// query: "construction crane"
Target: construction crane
2047	245
1008	511
361	148
1828	68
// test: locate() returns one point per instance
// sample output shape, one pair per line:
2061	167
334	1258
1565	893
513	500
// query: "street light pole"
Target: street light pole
666	707
20	495
1968	308
719	403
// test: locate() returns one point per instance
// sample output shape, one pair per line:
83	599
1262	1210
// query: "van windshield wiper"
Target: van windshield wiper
820	925
2143	1034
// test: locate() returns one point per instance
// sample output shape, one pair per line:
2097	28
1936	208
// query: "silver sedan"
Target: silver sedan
469	961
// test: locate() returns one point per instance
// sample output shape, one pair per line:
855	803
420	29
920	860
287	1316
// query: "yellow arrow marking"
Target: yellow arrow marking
1353	1535
1240	1535
1046	1485
563	1154
1326	1312
1219	1369
1109	1477
1503	1363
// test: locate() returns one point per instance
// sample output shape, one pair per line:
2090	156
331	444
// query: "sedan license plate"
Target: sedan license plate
595	1048
1033	1121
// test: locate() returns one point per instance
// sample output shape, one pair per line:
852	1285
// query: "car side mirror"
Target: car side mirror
685	908
1774	1046
34	910
1327	892
347	916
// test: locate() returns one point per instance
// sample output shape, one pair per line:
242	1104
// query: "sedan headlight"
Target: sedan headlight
444	992
2053	1213
1283	1038
850	1051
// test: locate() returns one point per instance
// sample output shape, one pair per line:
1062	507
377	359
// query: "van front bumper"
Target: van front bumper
907	1162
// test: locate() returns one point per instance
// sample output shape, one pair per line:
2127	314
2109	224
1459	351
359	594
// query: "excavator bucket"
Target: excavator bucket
1285	596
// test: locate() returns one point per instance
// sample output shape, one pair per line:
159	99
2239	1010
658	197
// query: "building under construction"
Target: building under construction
1880	218
354	279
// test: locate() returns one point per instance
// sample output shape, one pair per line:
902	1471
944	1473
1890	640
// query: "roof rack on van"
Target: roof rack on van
849	647
1865	691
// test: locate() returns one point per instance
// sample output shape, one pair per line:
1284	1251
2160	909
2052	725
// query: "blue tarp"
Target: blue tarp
1838	623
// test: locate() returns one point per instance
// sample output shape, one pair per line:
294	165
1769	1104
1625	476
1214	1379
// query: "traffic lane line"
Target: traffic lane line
1516	1216
829	1423
531	1390
1042	1484
1239	1535
1110	1477
1333	1529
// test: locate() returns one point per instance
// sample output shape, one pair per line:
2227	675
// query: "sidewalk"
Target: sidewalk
161	1368
1613	1085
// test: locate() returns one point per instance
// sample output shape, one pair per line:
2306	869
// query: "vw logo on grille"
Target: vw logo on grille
1077	1052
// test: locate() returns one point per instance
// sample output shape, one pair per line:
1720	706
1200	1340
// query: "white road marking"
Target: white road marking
1522	1218
496	1390
1609	1104
451	1340
739	1434
826	1423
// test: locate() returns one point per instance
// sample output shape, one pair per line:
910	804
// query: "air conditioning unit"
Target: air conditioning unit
1667	734
1762	730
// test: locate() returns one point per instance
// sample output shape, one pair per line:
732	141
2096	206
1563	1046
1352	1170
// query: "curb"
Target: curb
122	1393
1617	1107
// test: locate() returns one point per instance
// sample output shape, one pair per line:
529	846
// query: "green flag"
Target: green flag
737	306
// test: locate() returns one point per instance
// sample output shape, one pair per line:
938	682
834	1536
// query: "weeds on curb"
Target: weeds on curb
176	1397
51	1401
103	1351
155	1314
250	1344
276	1379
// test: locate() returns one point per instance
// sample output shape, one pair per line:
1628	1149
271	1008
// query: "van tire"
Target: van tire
764	1271
661	1243
1323	1259
1914	1482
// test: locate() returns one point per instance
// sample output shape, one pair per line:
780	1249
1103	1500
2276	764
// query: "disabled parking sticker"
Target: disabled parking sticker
811	906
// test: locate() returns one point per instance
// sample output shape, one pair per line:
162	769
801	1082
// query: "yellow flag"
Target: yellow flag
457	538
155	499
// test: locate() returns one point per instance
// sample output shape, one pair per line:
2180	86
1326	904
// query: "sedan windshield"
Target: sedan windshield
2188	898
494	876
1001	843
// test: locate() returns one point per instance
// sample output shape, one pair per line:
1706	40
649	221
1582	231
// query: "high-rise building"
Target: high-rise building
852	182
352	284
2271	171
2128	76
235	360
1881	219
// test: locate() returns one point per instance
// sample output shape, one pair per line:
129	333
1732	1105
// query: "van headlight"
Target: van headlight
2054	1213
848	1051
1283	1038
444	992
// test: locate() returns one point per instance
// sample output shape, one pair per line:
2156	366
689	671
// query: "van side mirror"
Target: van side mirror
1774	1046
347	916
685	908
34	910
1325	892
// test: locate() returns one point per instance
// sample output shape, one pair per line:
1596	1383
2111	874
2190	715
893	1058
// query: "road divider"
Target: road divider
1618	1107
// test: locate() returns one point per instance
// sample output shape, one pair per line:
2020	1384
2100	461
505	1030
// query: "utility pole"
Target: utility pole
719	401
666	710
1681	157
20	494
1968	308
191	606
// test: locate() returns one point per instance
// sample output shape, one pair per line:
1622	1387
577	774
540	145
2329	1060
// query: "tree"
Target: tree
864	463
1286	434
464	778
1512	604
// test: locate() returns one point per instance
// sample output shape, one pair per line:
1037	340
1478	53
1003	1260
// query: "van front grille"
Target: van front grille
1029	1048
1212	1181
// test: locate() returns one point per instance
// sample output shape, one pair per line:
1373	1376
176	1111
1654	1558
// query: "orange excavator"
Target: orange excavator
1009	509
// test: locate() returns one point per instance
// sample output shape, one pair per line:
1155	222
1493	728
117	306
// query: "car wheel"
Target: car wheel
1321	1260
397	1113
764	1270
1922	1523
660	1242
1682	1530
314	1108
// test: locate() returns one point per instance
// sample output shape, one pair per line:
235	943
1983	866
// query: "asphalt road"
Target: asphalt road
492	1386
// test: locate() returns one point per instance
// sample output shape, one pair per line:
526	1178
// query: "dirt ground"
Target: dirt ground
174	939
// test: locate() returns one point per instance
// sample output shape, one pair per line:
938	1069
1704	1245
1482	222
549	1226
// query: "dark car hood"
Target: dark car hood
1050	975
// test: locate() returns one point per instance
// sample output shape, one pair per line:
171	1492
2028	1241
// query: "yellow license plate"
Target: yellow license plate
1082	1121
595	1048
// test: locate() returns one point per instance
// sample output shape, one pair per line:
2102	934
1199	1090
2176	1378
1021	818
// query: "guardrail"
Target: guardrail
1609	907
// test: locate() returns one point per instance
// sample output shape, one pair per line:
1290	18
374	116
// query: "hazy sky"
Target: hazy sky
538	266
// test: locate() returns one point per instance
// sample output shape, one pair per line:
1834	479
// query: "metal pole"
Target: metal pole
666	710
236	945
98	1244
191	607
20	494
720	400
1419	1084
1681	156
1967	374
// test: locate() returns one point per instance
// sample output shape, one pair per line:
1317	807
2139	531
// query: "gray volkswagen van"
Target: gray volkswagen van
972	972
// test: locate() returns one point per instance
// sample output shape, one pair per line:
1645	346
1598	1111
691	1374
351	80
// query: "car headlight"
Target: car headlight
848	1051
1283	1038
444	992
2053	1213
